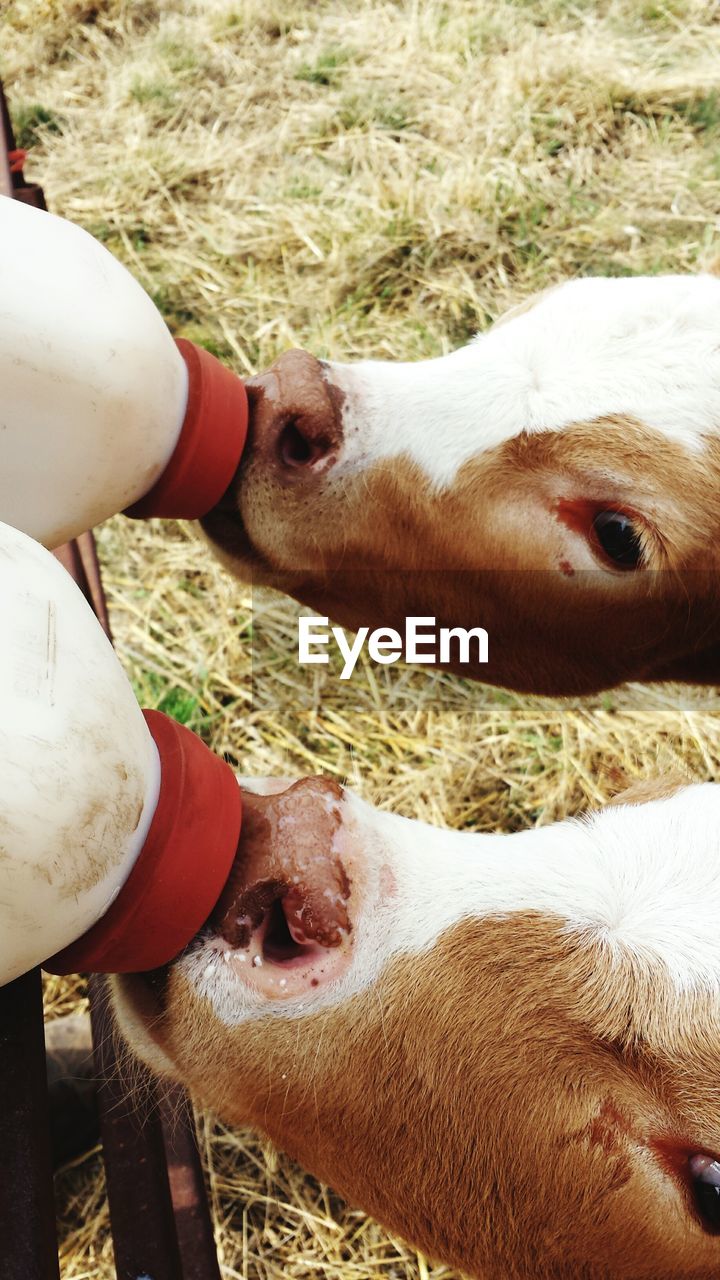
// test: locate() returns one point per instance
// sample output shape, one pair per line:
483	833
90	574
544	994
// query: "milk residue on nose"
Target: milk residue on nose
289	853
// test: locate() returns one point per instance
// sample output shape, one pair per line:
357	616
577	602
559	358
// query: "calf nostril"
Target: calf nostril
297	449
278	944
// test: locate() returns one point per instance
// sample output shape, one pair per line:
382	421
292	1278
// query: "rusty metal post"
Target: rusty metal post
28	1241
141	1210
12	180
187	1188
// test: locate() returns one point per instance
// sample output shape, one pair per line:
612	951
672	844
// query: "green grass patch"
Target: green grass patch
32	121
326	70
703	112
374	111
158	92
159	694
178	56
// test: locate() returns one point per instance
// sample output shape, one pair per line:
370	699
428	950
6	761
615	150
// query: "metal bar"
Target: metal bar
12	182
81	561
28	1240
187	1188
72	1088
144	1236
7	144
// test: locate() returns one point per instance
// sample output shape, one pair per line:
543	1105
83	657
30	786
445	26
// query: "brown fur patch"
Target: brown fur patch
651	789
493	1100
491	551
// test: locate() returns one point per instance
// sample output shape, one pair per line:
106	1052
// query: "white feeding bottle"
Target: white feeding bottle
118	828
100	410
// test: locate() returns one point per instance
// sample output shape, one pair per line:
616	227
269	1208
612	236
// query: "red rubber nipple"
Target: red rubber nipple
210	445
181	869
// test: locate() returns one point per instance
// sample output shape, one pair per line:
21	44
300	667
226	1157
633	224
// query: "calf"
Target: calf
556	482
505	1048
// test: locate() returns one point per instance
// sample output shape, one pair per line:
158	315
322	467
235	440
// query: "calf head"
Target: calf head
503	1047
557	482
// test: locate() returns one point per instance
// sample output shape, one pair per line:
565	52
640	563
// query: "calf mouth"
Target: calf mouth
282	929
224	528
234	546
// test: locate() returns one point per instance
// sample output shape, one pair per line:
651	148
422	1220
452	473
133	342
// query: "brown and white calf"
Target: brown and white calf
556	482
506	1048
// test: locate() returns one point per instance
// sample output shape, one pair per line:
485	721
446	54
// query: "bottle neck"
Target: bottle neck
210	444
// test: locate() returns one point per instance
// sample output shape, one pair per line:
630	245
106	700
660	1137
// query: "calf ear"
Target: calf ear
652	789
136	1018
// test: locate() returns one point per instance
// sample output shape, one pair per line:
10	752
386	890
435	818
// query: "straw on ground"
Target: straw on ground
364	178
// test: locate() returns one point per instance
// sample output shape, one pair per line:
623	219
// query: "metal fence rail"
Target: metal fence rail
158	1207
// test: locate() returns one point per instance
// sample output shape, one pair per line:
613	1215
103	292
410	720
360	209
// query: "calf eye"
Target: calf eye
705	1177
617	536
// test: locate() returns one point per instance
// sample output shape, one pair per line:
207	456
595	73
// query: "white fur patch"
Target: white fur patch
643	879
647	347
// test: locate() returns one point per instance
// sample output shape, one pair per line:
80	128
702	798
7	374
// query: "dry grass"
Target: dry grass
362	178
